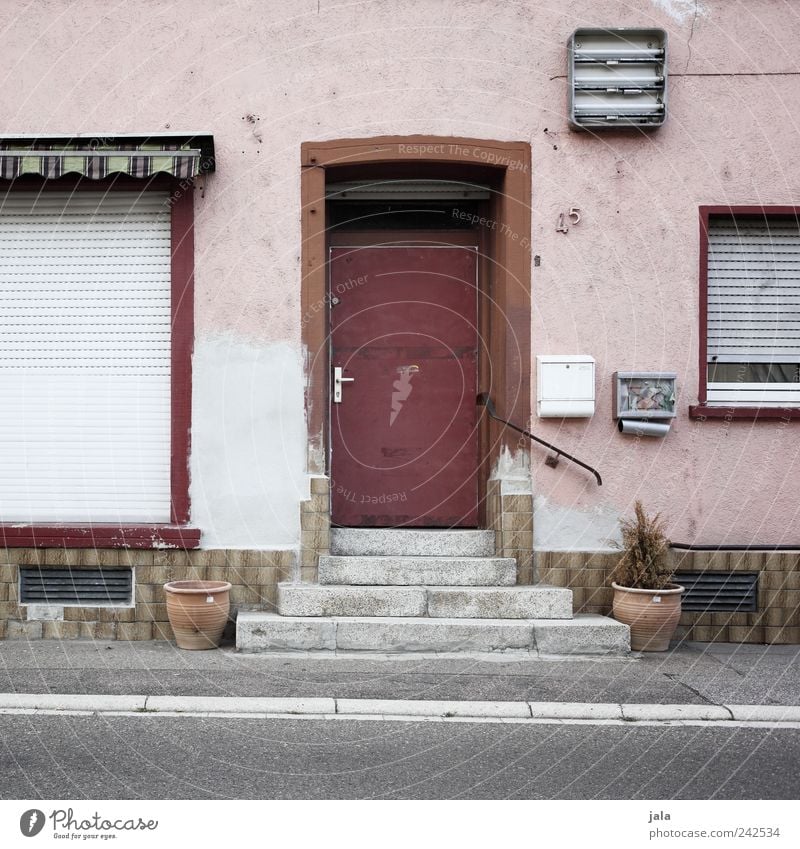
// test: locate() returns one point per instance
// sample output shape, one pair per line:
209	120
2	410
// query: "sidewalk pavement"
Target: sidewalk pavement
704	675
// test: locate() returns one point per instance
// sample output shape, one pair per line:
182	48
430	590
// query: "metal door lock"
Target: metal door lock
338	380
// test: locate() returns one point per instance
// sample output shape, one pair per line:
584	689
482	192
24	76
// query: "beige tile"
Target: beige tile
171	557
152	612
116	614
516	522
269	595
163	631
704	633
778	598
105	631
556	577
135	557
320	485
517	539
524	576
772	580
319	539
776	617
517	504
284	559
318	503
239	558
60	630
782	636
524	559
100	557
134	630
208	557
30	556
149	592
86	630
11	610
245	595
81	614
22	630
314	521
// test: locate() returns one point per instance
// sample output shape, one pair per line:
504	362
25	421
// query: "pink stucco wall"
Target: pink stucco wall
622	285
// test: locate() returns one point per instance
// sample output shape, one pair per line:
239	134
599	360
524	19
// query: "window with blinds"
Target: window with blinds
753	338
85	357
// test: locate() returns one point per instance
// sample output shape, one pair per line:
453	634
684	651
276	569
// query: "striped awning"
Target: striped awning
99	156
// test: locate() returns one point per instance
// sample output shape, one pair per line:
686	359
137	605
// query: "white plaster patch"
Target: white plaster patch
45	613
681	10
516	466
248	444
559	528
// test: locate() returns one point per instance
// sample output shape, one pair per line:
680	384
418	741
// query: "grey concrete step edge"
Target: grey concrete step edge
402	541
514	602
249	705
585	634
397	570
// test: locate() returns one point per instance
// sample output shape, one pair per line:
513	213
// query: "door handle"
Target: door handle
338	380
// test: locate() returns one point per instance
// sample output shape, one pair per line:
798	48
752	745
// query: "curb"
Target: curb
396	708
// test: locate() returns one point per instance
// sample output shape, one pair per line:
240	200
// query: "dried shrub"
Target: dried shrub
643	564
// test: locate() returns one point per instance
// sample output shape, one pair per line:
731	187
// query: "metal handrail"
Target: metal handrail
484	400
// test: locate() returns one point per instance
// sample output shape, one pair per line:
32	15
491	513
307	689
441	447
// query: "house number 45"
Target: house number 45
574	215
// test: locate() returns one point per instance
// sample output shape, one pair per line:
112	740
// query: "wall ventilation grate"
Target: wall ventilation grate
718	591
90	587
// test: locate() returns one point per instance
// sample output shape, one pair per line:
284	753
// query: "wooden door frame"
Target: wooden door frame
504	269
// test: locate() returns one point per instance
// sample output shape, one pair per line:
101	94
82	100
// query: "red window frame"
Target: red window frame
701	410
178	533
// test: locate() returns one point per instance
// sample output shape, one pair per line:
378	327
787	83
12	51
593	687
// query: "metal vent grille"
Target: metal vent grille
718	591
91	587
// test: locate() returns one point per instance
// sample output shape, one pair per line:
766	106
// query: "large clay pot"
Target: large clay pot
652	615
198	611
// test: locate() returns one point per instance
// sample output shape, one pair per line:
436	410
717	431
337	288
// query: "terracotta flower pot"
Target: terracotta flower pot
198	611
652	615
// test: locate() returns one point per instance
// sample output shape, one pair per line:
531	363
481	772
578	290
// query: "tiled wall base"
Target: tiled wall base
777	620
253	574
315	528
509	513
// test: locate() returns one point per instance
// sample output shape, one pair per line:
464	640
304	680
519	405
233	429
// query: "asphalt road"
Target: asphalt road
107	757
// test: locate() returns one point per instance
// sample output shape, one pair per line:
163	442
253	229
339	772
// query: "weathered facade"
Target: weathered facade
308	103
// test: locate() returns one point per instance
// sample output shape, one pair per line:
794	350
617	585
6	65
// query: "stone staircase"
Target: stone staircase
389	591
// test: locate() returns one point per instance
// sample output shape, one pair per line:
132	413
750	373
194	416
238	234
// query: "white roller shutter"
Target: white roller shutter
85	357
754	303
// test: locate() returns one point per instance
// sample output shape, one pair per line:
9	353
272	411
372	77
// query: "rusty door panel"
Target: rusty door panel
404	447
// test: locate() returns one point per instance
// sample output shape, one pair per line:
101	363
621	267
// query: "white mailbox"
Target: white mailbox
565	386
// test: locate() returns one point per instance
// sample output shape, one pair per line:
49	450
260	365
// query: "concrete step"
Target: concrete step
539	601
518	602
412	543
258	631
318	600
410	571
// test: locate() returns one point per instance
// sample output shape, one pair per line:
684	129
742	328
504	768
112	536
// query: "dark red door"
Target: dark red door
404	331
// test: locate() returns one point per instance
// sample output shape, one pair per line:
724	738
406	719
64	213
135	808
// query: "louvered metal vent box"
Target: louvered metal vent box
707	592
70	587
617	78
